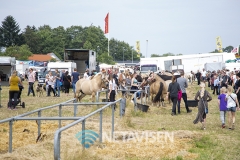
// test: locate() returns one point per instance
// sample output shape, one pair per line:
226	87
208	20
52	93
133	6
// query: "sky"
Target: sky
161	26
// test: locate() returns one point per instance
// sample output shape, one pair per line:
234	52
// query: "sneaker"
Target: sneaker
230	128
173	114
189	111
15	108
132	101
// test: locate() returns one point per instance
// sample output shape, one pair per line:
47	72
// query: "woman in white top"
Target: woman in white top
85	76
112	88
232	103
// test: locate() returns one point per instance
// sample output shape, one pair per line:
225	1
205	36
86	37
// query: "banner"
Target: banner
219	44
138	48
235	50
106	24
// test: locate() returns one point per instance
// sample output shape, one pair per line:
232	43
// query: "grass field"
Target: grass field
189	142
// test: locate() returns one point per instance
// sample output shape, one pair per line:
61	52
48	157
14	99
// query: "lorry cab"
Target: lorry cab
145	68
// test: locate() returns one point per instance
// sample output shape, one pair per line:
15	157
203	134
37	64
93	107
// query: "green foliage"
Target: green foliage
19	52
10	33
104	58
53	60
155	55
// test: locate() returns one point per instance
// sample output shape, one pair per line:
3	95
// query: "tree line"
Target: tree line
45	39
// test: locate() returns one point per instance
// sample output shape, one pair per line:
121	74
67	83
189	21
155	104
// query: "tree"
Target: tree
228	49
10	33
19	52
32	39
155	55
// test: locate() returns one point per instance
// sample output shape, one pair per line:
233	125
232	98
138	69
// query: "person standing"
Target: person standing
232	103
112	89
183	85
31	80
134	85
222	105
14	80
85	76
51	84
173	90
74	78
203	97
204	75
216	83
224	82
198	76
66	82
57	83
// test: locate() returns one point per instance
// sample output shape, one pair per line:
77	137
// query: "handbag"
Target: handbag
179	95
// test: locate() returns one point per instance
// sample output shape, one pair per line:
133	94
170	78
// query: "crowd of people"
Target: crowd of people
223	83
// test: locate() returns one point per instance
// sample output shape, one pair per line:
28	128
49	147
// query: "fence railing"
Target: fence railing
39	118
57	136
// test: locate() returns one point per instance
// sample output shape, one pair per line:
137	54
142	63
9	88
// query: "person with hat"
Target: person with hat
203	97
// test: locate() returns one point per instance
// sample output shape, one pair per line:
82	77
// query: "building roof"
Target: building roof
40	57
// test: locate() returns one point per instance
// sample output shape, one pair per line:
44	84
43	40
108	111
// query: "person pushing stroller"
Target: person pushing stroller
14	90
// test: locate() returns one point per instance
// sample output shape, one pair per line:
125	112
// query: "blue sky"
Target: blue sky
176	26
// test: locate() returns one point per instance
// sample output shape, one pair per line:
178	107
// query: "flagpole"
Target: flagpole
108	43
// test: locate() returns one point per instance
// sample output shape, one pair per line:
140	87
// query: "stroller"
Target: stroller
22	104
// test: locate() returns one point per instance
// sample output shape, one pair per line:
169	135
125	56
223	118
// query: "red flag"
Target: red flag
106	24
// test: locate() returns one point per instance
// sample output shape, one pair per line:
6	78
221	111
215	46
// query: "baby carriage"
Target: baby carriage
22	104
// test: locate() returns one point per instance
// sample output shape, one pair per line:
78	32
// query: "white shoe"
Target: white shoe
132	101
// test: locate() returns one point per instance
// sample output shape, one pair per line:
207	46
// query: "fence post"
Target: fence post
0	95
135	101
75	108
39	123
97	96
83	134
10	136
60	115
122	107
112	121
107	95
100	127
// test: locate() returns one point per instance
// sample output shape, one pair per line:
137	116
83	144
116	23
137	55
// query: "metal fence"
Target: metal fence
57	136
82	119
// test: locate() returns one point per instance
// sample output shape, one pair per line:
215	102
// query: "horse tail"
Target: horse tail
157	97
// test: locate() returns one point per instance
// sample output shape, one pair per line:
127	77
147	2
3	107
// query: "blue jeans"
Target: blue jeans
74	87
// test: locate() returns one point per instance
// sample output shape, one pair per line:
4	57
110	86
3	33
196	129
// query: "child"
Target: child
222	105
232	103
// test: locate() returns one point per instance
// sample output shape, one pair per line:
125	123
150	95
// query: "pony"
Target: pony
159	88
90	86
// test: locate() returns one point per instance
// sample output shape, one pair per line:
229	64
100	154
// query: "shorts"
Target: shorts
204	78
232	109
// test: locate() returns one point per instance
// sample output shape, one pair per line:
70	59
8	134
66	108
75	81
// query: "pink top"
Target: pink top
31	77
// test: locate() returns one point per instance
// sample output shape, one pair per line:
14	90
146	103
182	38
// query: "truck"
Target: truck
21	67
67	66
7	65
149	64
191	62
84	59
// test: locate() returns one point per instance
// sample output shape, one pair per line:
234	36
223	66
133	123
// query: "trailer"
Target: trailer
67	66
7	65
84	59
192	62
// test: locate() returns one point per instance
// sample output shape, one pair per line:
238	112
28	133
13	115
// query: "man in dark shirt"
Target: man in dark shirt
224	80
198	76
75	77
